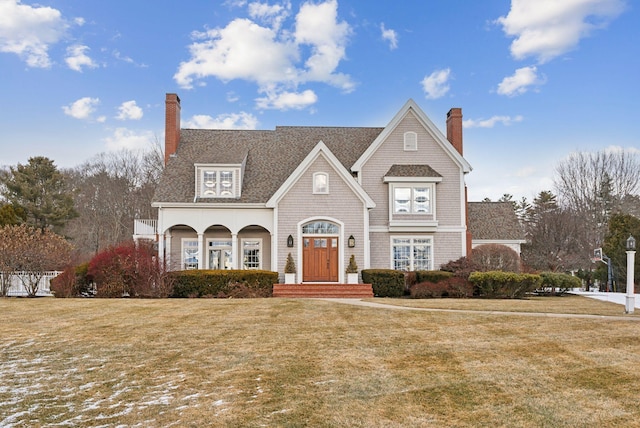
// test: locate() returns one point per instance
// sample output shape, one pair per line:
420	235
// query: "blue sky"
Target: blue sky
536	79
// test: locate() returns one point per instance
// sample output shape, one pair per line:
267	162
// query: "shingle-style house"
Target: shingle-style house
394	196
495	223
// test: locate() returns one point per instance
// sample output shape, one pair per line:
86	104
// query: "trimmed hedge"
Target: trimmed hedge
560	281
385	282
498	284
434	276
223	283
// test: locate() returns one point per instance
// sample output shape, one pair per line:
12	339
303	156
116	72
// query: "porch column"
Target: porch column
167	257
201	248
234	251
161	254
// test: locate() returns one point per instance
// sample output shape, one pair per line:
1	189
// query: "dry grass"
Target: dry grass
294	363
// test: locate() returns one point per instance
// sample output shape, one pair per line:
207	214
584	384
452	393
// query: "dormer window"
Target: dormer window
217	182
410	141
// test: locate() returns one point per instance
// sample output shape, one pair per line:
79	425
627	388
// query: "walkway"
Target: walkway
611	297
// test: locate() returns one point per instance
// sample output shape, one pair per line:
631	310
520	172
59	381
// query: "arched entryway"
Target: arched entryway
320	251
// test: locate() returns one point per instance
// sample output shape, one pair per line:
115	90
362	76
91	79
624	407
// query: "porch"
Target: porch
353	291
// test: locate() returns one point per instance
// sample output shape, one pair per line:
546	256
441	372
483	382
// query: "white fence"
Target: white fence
17	289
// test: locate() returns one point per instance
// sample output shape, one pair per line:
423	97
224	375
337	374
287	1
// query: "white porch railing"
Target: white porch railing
17	289
145	227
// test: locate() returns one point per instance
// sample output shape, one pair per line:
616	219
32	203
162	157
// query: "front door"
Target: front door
320	259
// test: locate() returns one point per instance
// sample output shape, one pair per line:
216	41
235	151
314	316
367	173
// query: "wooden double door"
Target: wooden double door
320	259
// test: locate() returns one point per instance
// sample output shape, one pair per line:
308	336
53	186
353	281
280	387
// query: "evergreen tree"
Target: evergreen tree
39	189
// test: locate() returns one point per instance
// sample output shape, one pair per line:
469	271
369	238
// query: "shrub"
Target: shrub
554	283
461	268
353	266
448	287
495	257
129	270
290	265
223	283
432	275
499	284
385	282
72	282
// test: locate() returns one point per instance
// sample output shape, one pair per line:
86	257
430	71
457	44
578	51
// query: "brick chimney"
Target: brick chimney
171	126
454	128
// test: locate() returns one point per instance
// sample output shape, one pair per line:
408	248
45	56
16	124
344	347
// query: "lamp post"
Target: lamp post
630	302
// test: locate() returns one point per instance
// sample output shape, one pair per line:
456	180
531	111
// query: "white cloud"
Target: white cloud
77	58
520	82
82	108
240	120
270	56
287	100
390	36
29	31
436	84
546	29
128	110
491	122
273	15
126	139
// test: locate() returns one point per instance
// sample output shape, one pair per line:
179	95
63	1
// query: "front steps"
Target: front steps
345	291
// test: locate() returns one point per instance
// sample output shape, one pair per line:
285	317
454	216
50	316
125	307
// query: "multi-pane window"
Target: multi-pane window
412	200
219	254
320	182
190	254
410	254
320	228
217	183
251	253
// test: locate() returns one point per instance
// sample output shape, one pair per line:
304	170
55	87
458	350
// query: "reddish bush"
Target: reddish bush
129	270
495	257
461	268
451	287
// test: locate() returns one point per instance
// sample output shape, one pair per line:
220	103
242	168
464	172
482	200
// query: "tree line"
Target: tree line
595	203
89	207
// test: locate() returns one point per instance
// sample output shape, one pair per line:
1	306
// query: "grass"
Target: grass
295	363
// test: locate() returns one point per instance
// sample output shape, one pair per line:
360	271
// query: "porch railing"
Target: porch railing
145	227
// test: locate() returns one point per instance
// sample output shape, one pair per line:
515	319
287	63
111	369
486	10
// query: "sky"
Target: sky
536	79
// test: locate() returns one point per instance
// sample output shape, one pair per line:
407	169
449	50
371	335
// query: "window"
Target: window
410	254
410	141
190	254
217	183
320	228
219	254
412	200
251	253
320	182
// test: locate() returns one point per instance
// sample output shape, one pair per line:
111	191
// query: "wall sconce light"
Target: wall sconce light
290	241
351	242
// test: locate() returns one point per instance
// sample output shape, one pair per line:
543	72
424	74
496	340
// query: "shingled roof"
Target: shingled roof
412	171
494	221
271	156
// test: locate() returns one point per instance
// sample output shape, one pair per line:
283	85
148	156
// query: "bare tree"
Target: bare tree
31	251
595	185
111	190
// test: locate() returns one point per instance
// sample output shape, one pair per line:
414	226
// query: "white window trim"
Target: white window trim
412	185
411	261
208	248
182	252
260	253
316	191
199	184
410	145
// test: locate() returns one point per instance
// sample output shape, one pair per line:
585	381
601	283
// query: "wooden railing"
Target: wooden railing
17	288
145	227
